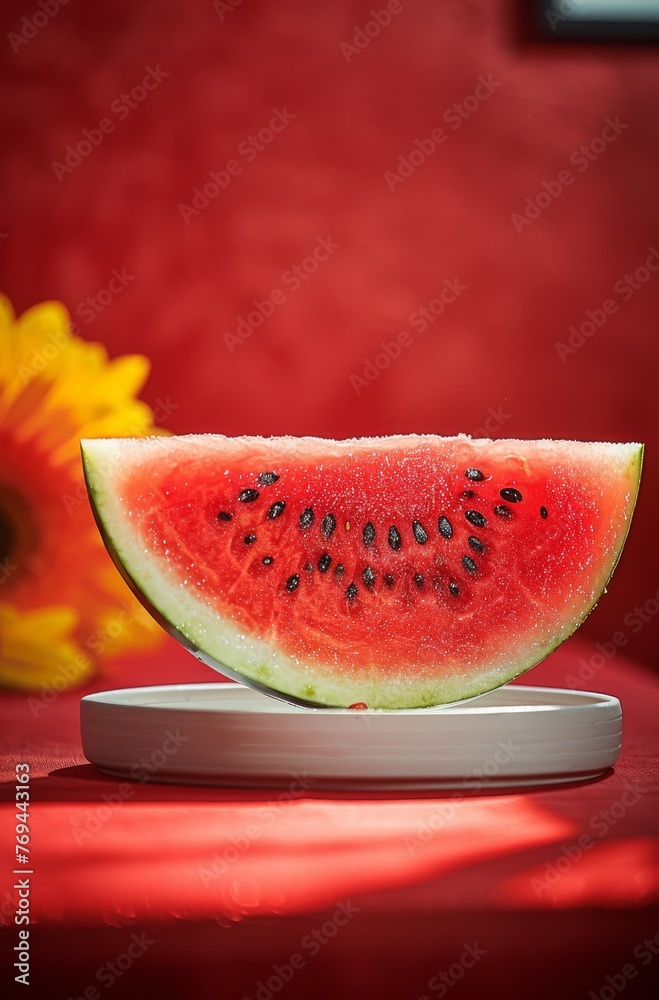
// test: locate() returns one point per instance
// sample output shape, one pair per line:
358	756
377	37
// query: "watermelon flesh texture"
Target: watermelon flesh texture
397	572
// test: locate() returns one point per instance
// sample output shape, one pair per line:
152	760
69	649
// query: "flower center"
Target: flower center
18	532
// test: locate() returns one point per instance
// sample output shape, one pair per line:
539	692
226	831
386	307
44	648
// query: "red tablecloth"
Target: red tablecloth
211	893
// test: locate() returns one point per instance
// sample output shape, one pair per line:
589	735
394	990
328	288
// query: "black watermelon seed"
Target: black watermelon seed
469	564
368	576
293	583
469	494
389	580
502	511
248	496
306	518
476	518
420	533
249	539
327	525
418	579
340	569
544	513
351	591
445	527
475	475
511	495
276	510
267	560
476	543
453	588
394	538
267	478
224	515
308	568
368	534
324	562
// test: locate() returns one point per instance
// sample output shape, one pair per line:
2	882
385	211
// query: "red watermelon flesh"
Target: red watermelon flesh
397	572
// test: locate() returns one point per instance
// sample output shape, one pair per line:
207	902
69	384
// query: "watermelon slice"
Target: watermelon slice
395	572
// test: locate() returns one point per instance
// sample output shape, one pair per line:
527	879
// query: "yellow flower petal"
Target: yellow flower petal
37	648
126	626
122	379
54	389
7	319
34	346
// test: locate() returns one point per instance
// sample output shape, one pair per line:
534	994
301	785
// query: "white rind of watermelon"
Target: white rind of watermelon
224	641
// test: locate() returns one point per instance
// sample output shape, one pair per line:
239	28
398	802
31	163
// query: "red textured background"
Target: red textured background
324	175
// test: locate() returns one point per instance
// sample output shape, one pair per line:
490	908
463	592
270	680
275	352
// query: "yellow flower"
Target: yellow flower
63	606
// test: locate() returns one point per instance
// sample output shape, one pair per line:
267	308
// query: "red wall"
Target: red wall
323	175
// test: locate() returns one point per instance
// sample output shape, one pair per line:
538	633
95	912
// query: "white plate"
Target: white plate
230	735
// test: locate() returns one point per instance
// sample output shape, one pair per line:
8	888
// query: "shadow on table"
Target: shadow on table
200	853
85	783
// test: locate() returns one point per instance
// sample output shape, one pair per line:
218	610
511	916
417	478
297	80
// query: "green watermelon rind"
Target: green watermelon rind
217	641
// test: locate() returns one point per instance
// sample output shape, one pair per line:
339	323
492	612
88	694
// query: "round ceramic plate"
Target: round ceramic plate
230	735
